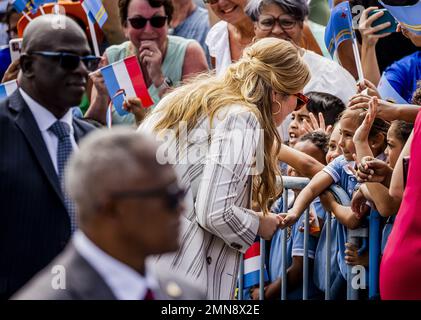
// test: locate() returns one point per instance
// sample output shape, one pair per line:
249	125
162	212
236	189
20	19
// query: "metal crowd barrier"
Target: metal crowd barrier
353	236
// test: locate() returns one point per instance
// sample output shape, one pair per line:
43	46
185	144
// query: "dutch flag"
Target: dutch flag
252	265
124	79
7	88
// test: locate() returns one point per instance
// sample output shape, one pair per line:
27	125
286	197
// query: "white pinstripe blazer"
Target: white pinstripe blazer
216	226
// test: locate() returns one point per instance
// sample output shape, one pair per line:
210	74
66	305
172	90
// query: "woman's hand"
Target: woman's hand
363	131
368	33
12	71
98	80
268	225
315	125
151	58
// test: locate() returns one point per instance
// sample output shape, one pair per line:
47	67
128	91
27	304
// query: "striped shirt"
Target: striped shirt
216	226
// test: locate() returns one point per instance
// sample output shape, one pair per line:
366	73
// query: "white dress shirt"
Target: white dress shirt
45	119
124	282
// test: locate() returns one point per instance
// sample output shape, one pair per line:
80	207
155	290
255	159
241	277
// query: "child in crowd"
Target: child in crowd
339	171
315	145
325	106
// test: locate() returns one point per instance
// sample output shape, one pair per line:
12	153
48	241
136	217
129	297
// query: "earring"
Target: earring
279	110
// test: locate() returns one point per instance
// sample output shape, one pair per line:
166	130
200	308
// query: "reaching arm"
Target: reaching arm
317	185
343	214
385	204
300	161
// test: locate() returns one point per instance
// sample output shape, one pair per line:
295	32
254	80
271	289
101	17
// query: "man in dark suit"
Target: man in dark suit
129	208
37	134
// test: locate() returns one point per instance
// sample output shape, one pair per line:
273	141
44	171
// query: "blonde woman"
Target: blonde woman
220	133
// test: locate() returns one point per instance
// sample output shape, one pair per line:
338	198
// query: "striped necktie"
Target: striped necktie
64	150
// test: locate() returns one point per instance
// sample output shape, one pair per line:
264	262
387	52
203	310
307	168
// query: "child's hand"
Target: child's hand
134	105
289	219
361	134
254	293
352	258
358	204
319	126
373	170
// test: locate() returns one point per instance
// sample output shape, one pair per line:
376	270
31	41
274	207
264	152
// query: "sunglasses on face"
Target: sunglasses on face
302	100
173	195
210	1
140	22
70	61
267	23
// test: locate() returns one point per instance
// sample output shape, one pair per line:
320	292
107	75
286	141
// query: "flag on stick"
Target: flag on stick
124	79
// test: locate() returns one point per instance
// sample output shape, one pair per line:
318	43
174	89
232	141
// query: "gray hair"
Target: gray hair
296	8
106	161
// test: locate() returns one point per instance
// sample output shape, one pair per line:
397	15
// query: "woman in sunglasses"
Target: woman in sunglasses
165	60
224	133
284	19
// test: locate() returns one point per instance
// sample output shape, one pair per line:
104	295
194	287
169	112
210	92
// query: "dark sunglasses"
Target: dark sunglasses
302	100
267	22
140	22
210	1
173	195
70	61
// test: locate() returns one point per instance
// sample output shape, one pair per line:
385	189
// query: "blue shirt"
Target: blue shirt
404	74
339	170
196	26
295	247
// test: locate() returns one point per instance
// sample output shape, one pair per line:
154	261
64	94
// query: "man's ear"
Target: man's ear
26	66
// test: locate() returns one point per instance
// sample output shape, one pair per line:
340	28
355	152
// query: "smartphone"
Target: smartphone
15	46
386	17
405	161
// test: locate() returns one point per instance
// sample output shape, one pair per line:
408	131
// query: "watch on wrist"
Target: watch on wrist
166	84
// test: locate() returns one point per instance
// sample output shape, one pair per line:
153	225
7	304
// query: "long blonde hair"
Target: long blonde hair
267	64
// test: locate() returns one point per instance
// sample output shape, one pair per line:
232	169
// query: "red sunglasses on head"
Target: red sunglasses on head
302	100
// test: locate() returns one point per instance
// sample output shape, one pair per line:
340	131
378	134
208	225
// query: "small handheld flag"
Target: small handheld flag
124	79
340	29
22	5
95	11
408	16
40	3
252	265
7	88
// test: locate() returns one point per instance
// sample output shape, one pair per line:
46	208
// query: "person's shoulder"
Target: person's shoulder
173	287
216	33
116	51
406	64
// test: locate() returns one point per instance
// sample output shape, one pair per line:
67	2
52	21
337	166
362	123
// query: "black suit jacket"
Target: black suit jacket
34	223
83	282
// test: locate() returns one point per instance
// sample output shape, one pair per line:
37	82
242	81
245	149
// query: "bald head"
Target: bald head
43	32
111	161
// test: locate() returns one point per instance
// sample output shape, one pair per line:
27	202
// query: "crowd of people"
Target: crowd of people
163	203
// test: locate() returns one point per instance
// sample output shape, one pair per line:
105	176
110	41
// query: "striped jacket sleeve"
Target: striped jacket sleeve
223	191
